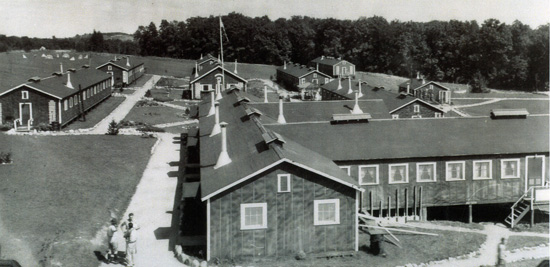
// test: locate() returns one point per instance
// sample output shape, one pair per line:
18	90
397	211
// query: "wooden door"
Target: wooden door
534	169
51	111
25	112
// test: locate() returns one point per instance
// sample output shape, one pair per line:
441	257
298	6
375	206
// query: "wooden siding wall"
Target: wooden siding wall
40	110
424	110
211	79
289	217
442	192
346	65
424	93
72	113
117	73
287	80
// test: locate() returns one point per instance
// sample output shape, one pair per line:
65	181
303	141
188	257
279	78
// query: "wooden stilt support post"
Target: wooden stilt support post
406	202
389	207
371	204
414	202
422	215
470	215
532	216
380	210
396	203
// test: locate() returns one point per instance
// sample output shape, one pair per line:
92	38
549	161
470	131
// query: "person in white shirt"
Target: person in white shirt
113	245
131	248
130	219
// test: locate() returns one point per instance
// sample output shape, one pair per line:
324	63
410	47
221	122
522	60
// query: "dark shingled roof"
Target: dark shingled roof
329	61
208	68
417	138
122	63
248	151
299	70
56	85
391	100
415	83
206	59
308	111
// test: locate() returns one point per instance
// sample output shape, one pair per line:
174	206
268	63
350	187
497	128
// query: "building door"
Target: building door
51	110
315	81
534	171
112	77
25	112
125	77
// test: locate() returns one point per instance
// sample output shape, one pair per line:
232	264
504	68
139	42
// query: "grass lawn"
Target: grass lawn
474	226
96	114
529	263
171	82
166	92
389	82
142	80
498	94
537	228
155	115
533	106
61	190
467	101
515	242
416	249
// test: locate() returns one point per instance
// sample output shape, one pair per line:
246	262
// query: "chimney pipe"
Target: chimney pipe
350	91
235	66
196	69
69	84
423	80
201	55
408	88
339	84
128	61
61	66
360	93
219	58
418	75
223	159
281	118
216	129
285	65
212	101
317	66
356	108
322	57
218	91
265	94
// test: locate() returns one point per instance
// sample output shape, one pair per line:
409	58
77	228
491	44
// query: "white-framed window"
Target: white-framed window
66	104
368	175
509	168
425	172
303	80
398	173
438	115
482	169
71	102
95	89
455	171
431	86
84	95
416	108
395	116
416	116
326	211
314	75
283	183
253	216
24	94
109	67
347	169
326	80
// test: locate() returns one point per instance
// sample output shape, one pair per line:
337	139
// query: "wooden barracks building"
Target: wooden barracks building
335	67
59	98
124	71
207	75
276	184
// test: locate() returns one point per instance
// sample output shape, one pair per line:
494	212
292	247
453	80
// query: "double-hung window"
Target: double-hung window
509	168
283	183
368	175
425	172
416	108
253	216
24	94
482	170
454	171
398	173
326	211
347	169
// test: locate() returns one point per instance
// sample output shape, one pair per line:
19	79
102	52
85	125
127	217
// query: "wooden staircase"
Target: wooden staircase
525	203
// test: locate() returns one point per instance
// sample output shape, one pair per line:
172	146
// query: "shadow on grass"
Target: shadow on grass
100	257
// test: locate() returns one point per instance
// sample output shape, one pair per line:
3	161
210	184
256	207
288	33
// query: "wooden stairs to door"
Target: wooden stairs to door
527	202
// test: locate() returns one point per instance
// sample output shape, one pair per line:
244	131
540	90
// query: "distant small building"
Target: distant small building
296	76
205	61
42	48
335	67
210	76
59	98
428	91
124	70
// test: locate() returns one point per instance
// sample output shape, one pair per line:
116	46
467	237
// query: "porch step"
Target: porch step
22	129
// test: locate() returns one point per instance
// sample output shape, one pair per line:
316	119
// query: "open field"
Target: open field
533	106
155	115
61	190
416	249
389	82
498	94
515	242
97	114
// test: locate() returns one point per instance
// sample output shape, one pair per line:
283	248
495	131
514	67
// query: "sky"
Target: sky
66	18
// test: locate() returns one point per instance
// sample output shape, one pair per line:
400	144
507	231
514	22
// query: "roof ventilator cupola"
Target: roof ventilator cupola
250	112
223	158
212	101
69	84
273	137
350	91
356	108
281	117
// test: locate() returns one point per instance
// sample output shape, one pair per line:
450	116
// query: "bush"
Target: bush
163	99
148	93
5	157
147	103
113	128
150	128
43	127
300	255
5	127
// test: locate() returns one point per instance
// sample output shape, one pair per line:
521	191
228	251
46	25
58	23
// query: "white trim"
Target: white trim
347	168
21	111
416	116
406	173
316	71
395	116
447	176
357	196
283	176
19	86
336	203
474	176
24	94
275	164
416	108
502	171
225	70
60	101
369	166
244	206
527	170
432	82
434	172
208	230
414	100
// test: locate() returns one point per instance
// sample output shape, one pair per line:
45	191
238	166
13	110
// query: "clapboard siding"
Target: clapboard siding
290	226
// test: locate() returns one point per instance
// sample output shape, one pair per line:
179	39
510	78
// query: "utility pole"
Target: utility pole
82	115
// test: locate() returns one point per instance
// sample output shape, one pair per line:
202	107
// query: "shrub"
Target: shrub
163	99
5	157
6	127
148	93
113	128
43	127
150	128
301	255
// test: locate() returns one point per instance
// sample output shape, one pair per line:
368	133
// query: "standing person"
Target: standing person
501	262
113	245
131	248
130	219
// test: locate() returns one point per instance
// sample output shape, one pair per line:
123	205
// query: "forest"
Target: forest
493	54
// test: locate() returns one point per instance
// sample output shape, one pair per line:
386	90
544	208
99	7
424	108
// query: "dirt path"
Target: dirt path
152	205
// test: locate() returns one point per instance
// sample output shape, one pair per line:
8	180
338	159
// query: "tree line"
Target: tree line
493	53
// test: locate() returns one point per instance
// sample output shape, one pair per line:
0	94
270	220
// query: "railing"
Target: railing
15	123
529	192
29	123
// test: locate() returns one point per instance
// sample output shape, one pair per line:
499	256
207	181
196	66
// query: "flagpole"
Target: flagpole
221	52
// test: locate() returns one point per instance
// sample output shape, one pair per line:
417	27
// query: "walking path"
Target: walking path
164	125
153	204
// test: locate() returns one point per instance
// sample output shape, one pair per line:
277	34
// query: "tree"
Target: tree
113	128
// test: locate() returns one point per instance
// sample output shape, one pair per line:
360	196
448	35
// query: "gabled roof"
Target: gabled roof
392	100
310	111
329	61
210	68
414	83
122	63
417	138
55	86
418	101
249	153
432	83
299	71
205	59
